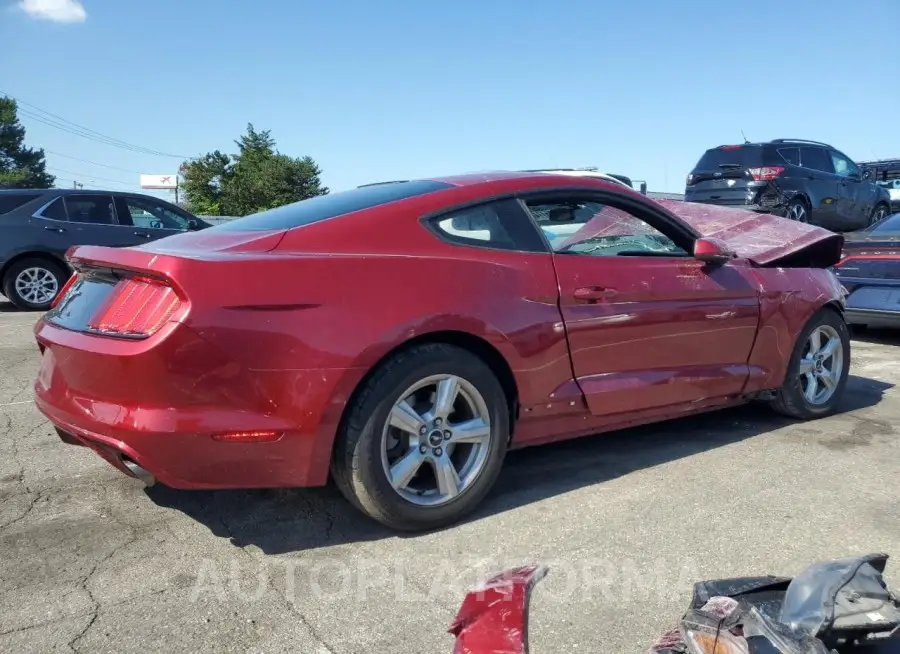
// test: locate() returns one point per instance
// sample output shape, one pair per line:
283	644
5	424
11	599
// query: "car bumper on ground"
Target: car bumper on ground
150	422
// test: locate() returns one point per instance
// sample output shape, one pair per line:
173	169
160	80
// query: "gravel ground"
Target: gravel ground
90	561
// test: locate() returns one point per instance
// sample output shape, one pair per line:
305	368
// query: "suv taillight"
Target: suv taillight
137	307
690	179
766	173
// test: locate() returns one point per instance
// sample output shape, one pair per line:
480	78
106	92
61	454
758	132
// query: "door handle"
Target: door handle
58	230
593	294
142	234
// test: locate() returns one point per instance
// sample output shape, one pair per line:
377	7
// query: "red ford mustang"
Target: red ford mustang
404	336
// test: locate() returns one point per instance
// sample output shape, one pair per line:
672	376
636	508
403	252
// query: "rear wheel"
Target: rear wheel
798	210
32	284
424	439
818	369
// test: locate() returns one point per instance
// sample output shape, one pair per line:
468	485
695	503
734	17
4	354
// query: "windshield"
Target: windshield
329	206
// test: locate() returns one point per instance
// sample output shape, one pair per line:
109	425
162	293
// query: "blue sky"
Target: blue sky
378	90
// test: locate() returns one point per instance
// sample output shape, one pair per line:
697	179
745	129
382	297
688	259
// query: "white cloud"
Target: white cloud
59	11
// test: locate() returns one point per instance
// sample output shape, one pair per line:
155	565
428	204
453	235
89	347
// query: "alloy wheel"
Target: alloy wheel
436	440
36	285
797	212
822	365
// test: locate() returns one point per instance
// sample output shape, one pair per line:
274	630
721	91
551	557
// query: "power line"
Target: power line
93	163
54	120
89	176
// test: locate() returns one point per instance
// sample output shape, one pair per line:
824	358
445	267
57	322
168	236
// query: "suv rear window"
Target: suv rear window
329	206
750	156
12	201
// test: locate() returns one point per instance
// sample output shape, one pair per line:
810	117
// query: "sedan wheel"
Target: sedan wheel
424	438
818	369
879	214
822	366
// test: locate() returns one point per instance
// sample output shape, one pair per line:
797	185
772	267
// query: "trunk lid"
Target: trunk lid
763	239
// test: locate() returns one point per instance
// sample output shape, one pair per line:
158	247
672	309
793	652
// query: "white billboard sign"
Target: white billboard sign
164	182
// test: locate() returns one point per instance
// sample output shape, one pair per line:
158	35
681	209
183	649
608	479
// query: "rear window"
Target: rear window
12	201
744	156
329	206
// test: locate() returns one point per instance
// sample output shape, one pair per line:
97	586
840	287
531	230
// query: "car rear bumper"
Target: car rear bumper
150	422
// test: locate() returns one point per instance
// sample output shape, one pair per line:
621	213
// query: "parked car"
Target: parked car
803	180
405	335
38	226
870	271
893	189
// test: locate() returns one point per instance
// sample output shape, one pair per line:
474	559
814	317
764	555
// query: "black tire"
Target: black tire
9	281
357	464
796	205
880	212
790	400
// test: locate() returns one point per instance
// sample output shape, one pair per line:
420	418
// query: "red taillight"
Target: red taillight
731	147
766	173
65	289
137	307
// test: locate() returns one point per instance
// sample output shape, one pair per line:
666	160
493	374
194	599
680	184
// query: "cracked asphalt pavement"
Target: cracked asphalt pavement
90	561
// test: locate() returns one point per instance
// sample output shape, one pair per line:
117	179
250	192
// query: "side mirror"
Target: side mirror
712	250
867	174
193	225
643	188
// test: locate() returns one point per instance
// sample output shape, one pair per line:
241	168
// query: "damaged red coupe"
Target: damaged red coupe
401	337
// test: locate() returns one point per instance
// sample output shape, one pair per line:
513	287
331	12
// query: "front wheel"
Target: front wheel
879	213
424	439
818	369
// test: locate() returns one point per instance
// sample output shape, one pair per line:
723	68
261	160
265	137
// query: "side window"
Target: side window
816	159
500	224
90	208
150	215
842	165
790	155
599	230
56	210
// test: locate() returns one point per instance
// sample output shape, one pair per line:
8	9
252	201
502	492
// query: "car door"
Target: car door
823	186
151	219
854	205
93	221
648	325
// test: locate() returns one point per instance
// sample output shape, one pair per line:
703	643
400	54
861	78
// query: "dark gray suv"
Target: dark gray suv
38	226
804	180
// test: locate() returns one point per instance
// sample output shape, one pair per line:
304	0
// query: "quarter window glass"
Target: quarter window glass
11	201
599	230
481	224
56	210
94	209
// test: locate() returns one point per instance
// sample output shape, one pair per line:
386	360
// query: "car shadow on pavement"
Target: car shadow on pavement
7	307
878	336
291	520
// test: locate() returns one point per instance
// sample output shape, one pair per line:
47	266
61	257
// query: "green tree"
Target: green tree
20	167
256	178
